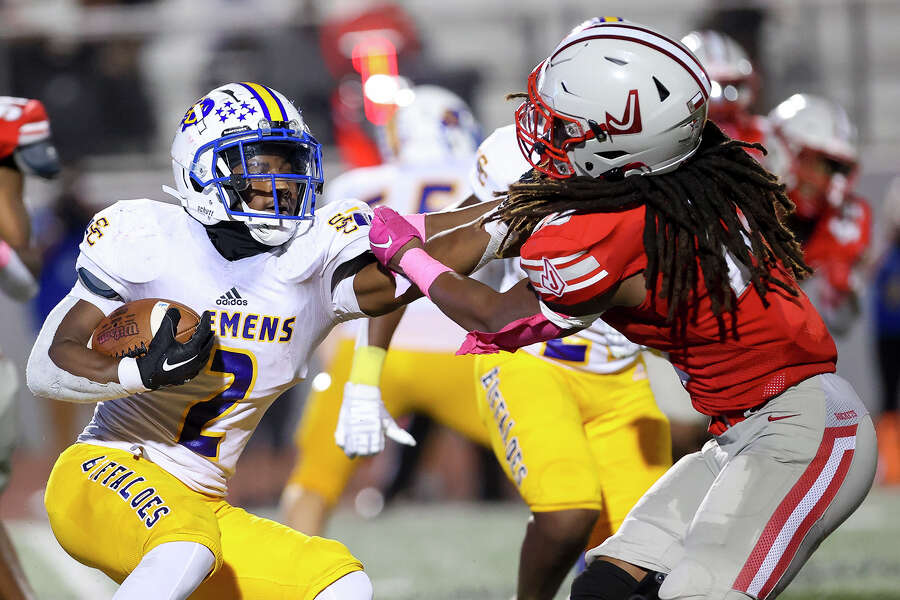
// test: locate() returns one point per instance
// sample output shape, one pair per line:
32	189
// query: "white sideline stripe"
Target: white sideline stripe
803	508
83	582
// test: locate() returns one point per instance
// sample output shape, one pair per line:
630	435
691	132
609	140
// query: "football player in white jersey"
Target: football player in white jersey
429	145
25	149
140	496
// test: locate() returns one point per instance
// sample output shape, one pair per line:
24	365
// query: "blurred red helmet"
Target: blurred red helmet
25	134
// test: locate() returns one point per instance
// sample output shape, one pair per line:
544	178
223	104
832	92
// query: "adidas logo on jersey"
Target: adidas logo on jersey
231	298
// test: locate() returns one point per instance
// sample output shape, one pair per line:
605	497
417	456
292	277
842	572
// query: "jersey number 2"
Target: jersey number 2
240	367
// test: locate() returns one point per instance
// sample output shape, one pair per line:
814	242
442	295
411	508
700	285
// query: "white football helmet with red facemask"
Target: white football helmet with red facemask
820	157
614	98
732	79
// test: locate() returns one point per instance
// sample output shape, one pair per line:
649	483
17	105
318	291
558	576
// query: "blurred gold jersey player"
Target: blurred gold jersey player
140	496
429	145
573	421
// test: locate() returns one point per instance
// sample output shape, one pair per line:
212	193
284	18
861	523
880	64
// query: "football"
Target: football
127	331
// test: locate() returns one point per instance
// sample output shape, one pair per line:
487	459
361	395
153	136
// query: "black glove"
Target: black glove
168	362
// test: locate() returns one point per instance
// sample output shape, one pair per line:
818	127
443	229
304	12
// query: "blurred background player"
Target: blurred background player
573	421
733	85
886	304
818	162
25	149
428	145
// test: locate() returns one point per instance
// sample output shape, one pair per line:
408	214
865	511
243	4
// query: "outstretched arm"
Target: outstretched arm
456	238
497	321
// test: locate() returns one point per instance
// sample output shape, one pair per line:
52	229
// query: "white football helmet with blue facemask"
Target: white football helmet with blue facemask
243	153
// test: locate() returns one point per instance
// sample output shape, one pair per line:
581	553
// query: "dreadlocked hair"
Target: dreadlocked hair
720	198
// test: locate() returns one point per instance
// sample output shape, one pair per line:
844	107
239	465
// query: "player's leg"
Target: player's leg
264	559
109	509
12	578
537	434
650	539
629	439
439	385
171	571
352	586
792	472
322	469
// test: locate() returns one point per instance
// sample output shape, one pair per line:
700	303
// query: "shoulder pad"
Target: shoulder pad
570	259
128	239
498	164
336	226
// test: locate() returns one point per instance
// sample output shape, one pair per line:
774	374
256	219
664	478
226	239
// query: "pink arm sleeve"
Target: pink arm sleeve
521	332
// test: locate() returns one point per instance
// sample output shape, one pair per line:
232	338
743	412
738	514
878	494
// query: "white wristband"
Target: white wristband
130	376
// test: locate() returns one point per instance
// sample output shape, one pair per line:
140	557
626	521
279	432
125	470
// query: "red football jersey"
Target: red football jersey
573	259
838	241
747	128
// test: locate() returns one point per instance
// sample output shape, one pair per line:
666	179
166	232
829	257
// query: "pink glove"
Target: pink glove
389	233
519	333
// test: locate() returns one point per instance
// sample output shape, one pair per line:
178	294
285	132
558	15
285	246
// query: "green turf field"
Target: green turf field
469	551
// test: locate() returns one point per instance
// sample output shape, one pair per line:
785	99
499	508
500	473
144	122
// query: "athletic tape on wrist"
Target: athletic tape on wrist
368	362
421	268
130	376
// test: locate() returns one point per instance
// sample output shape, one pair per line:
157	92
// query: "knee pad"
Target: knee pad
603	580
689	580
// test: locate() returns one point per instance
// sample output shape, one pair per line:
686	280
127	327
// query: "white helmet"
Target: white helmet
729	68
613	96
808	121
430	124
215	171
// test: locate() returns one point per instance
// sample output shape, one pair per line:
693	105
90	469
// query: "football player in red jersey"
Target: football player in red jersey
640	210
25	149
833	223
733	86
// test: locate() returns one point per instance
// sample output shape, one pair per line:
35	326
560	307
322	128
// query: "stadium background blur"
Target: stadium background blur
116	76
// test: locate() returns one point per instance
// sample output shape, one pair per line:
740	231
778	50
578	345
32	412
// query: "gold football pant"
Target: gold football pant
437	384
570	439
108	508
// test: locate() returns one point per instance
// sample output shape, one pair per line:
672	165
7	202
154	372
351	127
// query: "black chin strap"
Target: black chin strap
233	241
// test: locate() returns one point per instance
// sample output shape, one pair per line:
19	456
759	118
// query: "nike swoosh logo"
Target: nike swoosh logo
385	245
167	367
771	418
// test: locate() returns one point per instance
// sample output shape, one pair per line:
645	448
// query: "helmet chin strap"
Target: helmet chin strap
273	235
272	232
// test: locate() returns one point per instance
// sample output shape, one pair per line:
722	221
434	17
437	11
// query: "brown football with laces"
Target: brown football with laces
127	331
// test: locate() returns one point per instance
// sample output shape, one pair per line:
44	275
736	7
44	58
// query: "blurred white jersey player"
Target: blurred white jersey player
429	146
573	421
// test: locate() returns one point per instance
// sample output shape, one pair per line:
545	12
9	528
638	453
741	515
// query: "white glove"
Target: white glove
364	421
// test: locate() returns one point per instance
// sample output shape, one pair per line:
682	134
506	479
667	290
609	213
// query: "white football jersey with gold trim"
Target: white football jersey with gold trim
270	311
